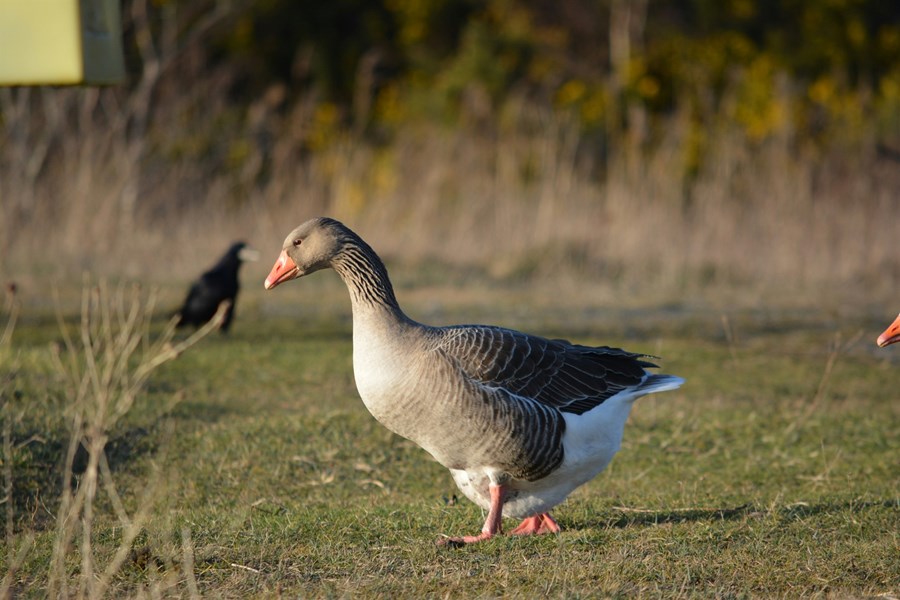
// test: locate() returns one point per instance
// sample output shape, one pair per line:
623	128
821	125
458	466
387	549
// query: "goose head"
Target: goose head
307	249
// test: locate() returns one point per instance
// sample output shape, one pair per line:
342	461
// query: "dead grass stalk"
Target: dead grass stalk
105	366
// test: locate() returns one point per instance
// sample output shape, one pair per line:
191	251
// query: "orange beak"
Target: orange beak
284	270
891	335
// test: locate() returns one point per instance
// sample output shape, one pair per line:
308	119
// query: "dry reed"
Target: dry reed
151	181
525	201
104	366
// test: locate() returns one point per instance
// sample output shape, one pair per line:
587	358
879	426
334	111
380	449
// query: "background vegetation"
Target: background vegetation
715	182
679	142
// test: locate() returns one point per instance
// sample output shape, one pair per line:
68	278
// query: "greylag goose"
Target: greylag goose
519	420
214	287
891	335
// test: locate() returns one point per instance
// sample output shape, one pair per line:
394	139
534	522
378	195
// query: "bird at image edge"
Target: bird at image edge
891	335
520	420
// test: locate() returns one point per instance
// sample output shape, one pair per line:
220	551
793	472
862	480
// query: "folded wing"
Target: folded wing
569	377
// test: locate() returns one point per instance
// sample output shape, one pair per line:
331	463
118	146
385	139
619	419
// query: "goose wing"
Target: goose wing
569	377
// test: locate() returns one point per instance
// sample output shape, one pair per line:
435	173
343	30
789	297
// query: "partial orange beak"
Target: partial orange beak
284	270
891	335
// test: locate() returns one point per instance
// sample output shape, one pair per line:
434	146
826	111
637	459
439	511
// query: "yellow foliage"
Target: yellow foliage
758	109
694	148
593	109
590	102
842	106
414	21
243	32
889	40
384	174
890	88
743	9
856	32
324	126
888	101
541	67
822	91
648	87
645	85
635	69
571	92
389	106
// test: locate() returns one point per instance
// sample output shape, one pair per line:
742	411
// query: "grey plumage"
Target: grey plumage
492	404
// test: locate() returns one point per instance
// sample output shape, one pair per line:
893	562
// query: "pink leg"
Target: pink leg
491	524
536	525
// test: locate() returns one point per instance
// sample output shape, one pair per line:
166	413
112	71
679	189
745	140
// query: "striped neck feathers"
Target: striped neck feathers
364	273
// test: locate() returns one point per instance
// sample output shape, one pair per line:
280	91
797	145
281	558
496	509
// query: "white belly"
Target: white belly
590	442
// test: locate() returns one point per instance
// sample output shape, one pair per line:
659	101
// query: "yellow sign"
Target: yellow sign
60	42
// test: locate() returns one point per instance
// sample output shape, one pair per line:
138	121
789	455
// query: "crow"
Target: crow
217	285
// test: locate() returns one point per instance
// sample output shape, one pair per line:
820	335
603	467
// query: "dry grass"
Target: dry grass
526	198
779	459
151	181
772	473
103	369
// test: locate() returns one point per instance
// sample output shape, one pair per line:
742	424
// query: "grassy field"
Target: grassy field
759	266
248	467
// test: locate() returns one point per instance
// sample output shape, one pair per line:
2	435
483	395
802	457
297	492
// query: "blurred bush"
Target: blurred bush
381	63
465	118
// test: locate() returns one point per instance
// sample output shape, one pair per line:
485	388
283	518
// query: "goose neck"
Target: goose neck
366	278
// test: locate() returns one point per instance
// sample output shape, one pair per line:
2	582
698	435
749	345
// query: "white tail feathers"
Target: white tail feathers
659	383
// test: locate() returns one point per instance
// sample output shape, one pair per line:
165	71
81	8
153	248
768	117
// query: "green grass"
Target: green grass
775	471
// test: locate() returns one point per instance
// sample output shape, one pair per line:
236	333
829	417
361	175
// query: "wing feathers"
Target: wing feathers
569	377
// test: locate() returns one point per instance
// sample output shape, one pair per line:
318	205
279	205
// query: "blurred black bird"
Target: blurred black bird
214	287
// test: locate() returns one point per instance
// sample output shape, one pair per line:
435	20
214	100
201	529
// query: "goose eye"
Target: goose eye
297	242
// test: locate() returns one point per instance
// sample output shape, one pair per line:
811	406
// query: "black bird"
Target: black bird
214	287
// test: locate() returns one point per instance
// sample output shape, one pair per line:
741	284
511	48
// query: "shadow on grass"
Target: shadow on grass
203	412
797	512
629	517
793	512
39	466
